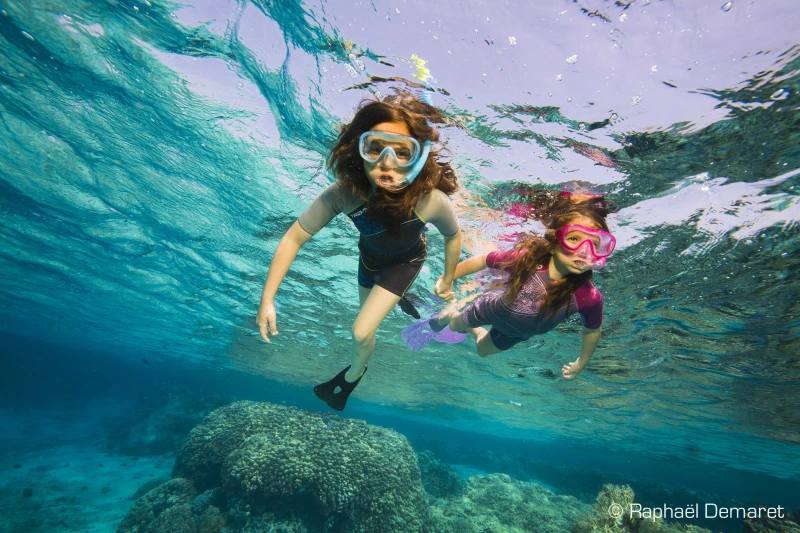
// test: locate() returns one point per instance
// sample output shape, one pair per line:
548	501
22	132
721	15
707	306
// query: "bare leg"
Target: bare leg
484	344
483	341
376	304
363	292
444	318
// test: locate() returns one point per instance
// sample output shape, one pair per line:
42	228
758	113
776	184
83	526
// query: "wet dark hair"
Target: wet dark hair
347	165
539	250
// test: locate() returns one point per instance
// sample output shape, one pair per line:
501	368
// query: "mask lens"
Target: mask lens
376	145
574	238
601	243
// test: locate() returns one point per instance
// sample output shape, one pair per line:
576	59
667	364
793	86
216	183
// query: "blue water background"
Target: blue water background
152	155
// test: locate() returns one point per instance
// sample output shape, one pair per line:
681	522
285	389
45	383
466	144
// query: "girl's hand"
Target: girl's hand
571	370
443	290
267	320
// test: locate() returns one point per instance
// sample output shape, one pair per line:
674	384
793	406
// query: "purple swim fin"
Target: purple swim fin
417	335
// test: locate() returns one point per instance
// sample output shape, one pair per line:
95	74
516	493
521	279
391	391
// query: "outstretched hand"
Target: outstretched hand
267	321
569	371
443	290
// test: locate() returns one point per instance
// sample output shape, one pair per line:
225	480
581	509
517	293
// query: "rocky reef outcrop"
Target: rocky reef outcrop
257	467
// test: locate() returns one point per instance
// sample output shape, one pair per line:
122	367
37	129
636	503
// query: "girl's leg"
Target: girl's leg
376	305
484	344
483	341
363	292
457	323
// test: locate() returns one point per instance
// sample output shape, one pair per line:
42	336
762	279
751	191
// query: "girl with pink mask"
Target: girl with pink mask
549	280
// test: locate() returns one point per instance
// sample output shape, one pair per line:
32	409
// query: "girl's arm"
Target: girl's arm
476	263
284	255
452	251
464	268
589	342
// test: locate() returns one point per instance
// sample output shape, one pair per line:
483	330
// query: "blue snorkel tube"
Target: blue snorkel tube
417	168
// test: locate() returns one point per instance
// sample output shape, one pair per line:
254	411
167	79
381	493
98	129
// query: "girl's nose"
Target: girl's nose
584	250
386	162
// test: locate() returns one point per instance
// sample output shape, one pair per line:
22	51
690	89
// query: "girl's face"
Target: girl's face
385	173
567	262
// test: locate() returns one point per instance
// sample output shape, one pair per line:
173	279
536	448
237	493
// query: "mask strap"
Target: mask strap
417	168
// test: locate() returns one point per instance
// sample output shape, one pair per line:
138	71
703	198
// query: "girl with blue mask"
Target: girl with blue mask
390	183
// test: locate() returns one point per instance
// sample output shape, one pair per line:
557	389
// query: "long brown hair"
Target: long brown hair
347	165
539	250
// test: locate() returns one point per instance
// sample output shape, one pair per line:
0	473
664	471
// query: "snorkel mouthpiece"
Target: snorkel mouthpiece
598	264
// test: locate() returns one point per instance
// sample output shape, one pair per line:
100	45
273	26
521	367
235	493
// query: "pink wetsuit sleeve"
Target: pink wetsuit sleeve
590	306
496	259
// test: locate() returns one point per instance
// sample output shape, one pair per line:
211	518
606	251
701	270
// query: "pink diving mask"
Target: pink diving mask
591	245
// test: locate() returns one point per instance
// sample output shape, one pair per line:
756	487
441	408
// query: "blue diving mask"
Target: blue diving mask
404	150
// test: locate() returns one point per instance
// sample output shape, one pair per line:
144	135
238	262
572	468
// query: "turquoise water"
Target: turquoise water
154	153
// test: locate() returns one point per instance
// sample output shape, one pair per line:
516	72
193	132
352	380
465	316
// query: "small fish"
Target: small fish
145	361
512	402
408	308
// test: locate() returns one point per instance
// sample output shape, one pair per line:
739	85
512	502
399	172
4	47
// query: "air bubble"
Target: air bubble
614	117
559	77
549	94
240	85
512	41
654	68
727	6
636	99
396	10
582	127
569	99
623	17
780	94
171	15
572	59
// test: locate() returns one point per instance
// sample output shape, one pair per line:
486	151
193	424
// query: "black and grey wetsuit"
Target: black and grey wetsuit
389	262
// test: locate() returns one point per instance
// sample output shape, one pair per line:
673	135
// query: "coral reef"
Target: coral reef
257	467
609	516
439	479
788	524
500	504
160	508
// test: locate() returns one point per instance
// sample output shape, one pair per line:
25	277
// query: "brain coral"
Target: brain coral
365	477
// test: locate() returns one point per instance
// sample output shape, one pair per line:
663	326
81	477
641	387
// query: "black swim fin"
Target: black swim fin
328	394
408	308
